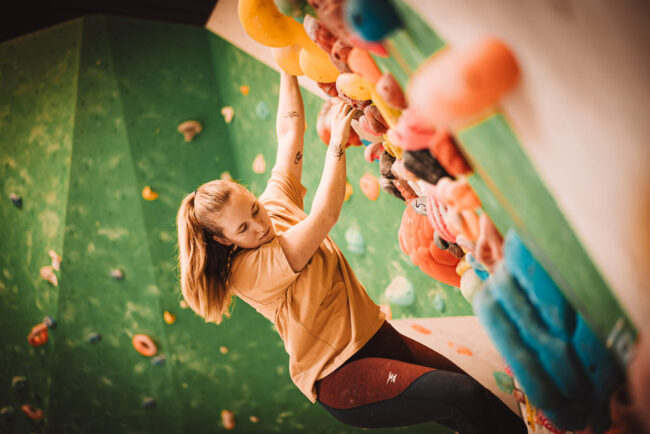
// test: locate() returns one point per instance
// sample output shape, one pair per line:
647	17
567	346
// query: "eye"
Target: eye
243	229
257	210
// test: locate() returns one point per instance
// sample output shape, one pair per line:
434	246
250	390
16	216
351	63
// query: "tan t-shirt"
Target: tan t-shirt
322	313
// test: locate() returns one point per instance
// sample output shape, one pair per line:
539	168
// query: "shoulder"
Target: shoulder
284	187
262	269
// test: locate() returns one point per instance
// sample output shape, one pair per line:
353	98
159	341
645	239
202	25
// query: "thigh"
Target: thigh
391	344
368	380
378	393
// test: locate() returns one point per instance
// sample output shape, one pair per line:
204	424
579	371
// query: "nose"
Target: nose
260	227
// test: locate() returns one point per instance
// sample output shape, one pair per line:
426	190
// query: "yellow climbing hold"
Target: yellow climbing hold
169	317
254	419
348	191
225	176
184	304
149	194
223	349
462	266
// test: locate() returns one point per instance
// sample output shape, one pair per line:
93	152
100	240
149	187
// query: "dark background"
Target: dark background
29	16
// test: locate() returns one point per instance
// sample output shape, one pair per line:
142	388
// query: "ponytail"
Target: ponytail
204	262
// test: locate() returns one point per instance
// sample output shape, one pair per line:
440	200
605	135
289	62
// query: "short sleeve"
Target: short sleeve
283	184
262	274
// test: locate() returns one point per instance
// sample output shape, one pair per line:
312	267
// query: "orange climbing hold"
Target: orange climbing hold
421	329
416	240
32	412
460	349
169	317
38	335
144	345
457	84
149	194
244	89
370	186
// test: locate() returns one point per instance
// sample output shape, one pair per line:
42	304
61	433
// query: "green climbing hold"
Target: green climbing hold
504	381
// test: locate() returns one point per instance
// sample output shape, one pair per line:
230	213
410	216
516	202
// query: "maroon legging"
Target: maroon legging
396	381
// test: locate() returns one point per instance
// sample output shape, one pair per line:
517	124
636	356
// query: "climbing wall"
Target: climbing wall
88	118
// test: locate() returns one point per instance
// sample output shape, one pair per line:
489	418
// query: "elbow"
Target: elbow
330	218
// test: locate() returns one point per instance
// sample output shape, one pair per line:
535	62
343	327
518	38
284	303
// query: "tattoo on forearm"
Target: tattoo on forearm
298	158
338	152
292	114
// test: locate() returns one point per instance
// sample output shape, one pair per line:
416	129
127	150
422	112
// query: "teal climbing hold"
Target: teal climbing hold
262	111
439	303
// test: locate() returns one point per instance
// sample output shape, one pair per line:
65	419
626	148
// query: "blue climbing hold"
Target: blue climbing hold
373	20
479	269
93	338
158	360
17	200
149	403
49	322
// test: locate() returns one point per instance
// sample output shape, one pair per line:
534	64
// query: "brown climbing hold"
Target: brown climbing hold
189	129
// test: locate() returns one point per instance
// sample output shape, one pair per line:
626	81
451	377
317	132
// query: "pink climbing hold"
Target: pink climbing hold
373	151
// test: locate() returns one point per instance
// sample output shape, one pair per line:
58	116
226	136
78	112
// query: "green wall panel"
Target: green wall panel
38	92
88	114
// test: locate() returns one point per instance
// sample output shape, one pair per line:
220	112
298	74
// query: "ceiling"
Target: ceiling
30	16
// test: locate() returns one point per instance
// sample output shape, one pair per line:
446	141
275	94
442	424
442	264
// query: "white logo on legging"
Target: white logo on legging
391	377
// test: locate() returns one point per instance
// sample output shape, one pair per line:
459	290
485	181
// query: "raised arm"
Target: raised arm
290	126
300	242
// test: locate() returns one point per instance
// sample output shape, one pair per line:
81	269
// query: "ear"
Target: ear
222	240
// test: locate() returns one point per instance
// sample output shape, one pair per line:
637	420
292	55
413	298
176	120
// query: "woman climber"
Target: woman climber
280	260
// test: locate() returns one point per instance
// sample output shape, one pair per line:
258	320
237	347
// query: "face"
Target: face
244	221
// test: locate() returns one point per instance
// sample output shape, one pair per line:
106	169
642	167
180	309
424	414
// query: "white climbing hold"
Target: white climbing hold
227	112
259	164
56	260
400	291
47	273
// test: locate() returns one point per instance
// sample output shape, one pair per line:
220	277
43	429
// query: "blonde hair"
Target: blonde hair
204	262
